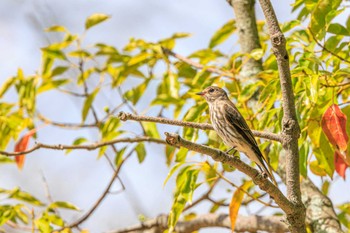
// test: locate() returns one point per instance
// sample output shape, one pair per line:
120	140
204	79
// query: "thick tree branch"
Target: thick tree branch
248	35
320	214
217	155
243	224
291	130
197	65
93	146
204	126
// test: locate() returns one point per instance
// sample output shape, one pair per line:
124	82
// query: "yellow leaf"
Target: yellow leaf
236	202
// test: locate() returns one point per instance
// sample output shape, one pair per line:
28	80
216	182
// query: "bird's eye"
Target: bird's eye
211	90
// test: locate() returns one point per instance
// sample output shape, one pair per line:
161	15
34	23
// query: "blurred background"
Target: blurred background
79	177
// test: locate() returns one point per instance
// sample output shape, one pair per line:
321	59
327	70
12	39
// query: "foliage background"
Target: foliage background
78	177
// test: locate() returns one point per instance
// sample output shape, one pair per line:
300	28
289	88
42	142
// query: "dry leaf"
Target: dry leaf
340	164
22	145
334	126
236	202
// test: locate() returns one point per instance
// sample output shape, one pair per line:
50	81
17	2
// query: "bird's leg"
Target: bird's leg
263	173
229	150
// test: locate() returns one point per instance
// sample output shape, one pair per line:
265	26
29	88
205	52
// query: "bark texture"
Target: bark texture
248	36
290	126
272	224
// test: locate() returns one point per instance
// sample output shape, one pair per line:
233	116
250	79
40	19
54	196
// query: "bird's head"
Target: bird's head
211	94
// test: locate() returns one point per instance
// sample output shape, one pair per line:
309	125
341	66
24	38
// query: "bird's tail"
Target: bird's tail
269	171
266	169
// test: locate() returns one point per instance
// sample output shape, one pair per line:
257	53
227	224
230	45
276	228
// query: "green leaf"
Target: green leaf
304	152
63	205
290	25
332	42
135	94
181	155
88	104
171	172
6	85
338	29
55	53
56	28
141	152
185	186
5	159
195	112
223	33
51	84
55	220
43	223
95	19
119	156
139	58
77	141
24	196
109	128
151	129
80	53
59	70
169	152
318	16
257	54
325	187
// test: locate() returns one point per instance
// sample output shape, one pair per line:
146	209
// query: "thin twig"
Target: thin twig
247	193
65	125
204	126
102	197
197	65
327	50
336	85
83	147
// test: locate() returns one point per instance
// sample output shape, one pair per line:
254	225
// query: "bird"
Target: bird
230	125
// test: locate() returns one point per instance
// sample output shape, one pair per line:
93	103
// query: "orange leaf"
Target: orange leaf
22	145
340	164
236	202
334	126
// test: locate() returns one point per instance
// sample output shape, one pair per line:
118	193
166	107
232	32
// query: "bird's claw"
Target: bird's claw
264	175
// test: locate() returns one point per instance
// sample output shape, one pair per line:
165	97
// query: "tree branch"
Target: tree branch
217	155
320	214
197	65
83	147
327	50
290	126
248	35
204	126
243	224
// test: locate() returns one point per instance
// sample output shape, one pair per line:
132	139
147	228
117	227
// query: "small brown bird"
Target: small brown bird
232	128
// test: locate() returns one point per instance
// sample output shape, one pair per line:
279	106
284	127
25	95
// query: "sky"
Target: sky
80	177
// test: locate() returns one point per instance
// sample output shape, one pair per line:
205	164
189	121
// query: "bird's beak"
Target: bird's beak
200	93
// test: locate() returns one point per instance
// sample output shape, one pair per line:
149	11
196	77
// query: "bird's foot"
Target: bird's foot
264	175
231	149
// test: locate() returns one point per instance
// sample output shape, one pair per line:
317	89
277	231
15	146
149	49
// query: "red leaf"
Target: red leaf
340	164
334	126
22	145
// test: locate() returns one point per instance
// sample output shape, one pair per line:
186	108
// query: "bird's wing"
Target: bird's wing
233	116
